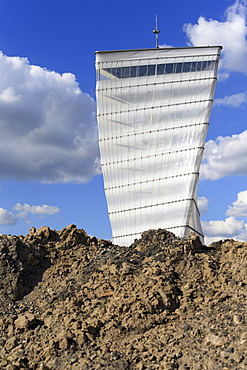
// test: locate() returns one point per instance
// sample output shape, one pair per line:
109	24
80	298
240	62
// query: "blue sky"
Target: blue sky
49	157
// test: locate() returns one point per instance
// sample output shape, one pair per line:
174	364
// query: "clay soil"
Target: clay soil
71	301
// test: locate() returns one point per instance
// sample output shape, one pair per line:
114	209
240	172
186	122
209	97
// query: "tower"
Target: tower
153	109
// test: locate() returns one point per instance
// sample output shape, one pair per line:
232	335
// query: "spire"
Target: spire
156	31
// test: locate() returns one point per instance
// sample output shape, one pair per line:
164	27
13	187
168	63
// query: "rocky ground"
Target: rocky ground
70	301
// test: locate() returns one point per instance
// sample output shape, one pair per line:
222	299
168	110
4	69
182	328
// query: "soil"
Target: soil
71	301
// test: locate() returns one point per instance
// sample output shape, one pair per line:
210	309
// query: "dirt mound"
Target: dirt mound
70	301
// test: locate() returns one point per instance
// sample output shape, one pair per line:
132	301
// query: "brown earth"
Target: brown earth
70	301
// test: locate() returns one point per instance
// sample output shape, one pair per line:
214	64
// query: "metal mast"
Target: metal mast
156	31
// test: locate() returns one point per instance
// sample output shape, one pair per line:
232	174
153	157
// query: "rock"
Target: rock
64	343
243	343
11	343
27	321
237	319
194	243
214	340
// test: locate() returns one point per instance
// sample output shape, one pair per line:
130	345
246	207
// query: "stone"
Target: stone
237	319
64	343
27	321
11	343
212	339
243	343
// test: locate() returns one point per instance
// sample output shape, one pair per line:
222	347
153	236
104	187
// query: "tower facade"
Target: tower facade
153	109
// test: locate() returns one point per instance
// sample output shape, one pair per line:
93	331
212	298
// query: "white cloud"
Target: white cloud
35	210
239	207
165	46
225	156
230	33
219	229
22	214
231	227
7	218
9	96
48	125
202	204
227	228
222	76
232	101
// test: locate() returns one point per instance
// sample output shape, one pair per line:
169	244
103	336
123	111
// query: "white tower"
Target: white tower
153	108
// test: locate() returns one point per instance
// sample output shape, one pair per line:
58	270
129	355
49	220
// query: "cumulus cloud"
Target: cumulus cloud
202	204
36	210
230	33
219	229
239	207
225	156
232	101
227	228
231	227
48	125
7	218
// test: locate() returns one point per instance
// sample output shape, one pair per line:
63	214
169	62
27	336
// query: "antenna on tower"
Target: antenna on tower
156	31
